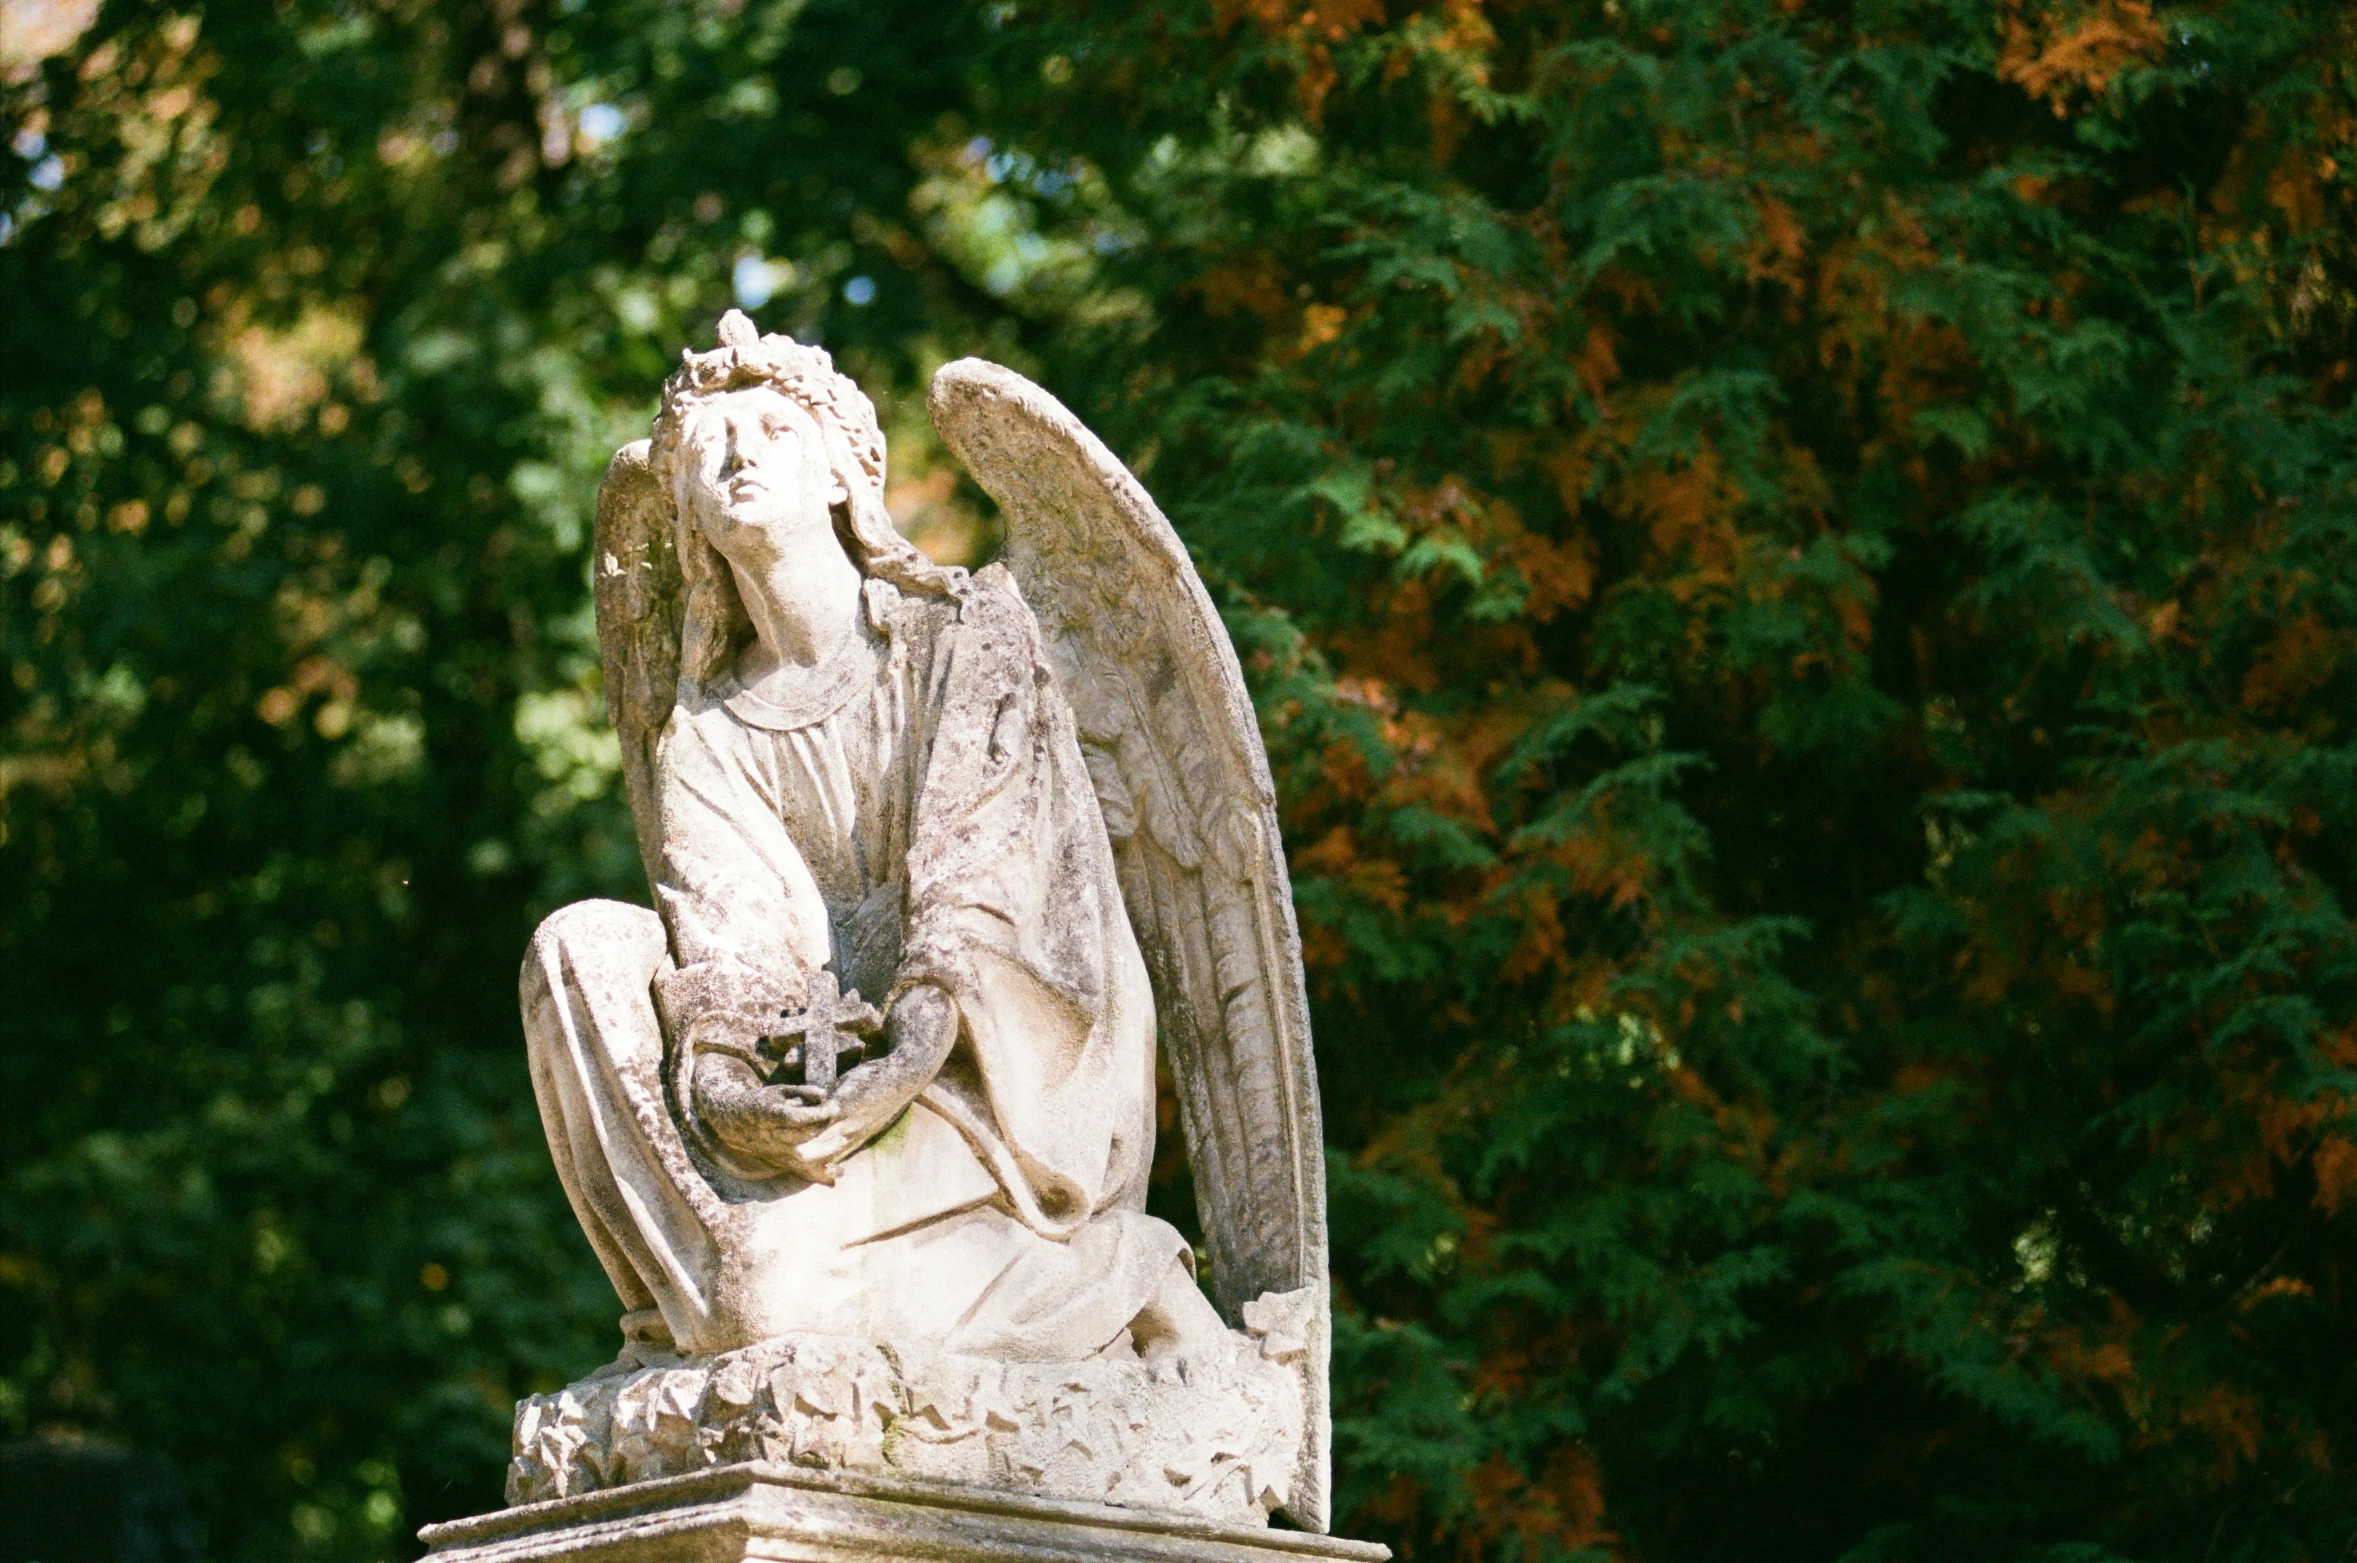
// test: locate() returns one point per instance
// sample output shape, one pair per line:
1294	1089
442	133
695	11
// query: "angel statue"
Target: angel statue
859	1118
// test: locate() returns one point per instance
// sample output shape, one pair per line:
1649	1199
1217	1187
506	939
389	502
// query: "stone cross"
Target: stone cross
830	1024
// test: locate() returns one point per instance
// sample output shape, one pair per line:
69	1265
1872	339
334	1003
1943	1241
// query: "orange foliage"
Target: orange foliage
1832	285
1337	855
1573	467
2058	51
1542	943
2233	1420
1919	1075
1690	514
1606	865
1330	856
1776	255
1563	1511
1597	367
2289	1130
2104	1362
1320	324
1252	286
1332	20
1314	27
2293	666
2294	189
2277	1286
1396	652
2335	1161
1560	575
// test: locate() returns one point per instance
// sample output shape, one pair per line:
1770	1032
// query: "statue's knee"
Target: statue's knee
604	925
594	936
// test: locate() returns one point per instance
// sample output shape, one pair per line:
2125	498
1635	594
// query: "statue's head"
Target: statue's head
762	435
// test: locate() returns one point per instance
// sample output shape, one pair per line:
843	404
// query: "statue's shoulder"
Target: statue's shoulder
701	723
987	600
991	598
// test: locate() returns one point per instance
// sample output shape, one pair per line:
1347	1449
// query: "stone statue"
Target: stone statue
859	1119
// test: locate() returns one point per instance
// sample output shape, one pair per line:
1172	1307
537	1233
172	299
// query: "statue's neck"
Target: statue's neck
804	604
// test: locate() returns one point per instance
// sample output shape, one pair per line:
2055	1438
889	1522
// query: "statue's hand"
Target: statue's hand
768	1125
923	1027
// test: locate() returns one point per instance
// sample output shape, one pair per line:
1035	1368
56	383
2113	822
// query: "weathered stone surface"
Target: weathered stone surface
859	1118
1214	1435
791	1515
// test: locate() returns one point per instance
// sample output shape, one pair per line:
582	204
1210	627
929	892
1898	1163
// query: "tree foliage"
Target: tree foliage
1800	567
320	323
1798	562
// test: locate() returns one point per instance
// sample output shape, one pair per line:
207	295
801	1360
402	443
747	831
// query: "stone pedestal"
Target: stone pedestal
790	1515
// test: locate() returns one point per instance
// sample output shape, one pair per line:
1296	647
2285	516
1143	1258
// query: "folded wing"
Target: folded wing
640	598
1176	756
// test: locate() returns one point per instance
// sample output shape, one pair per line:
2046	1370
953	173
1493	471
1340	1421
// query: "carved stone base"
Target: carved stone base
1215	1434
784	1514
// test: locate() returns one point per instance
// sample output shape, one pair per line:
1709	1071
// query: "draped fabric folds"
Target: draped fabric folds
920	813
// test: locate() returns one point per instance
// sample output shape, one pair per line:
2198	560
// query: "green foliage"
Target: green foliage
321	322
1798	562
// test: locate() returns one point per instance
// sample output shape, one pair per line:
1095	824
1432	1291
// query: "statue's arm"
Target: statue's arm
741	912
769	1125
735	896
974	822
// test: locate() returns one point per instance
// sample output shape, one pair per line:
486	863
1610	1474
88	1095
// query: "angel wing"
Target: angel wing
1176	756
640	599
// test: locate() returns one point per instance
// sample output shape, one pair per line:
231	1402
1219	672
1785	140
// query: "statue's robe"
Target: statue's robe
921	814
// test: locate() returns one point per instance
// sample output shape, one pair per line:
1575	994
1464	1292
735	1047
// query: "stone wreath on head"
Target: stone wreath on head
716	624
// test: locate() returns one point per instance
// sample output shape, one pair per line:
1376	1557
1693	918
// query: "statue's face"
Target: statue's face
755	476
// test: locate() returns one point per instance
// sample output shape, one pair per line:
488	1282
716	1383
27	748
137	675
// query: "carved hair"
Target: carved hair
715	622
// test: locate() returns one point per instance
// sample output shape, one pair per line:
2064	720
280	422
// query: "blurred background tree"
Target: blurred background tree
1799	565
